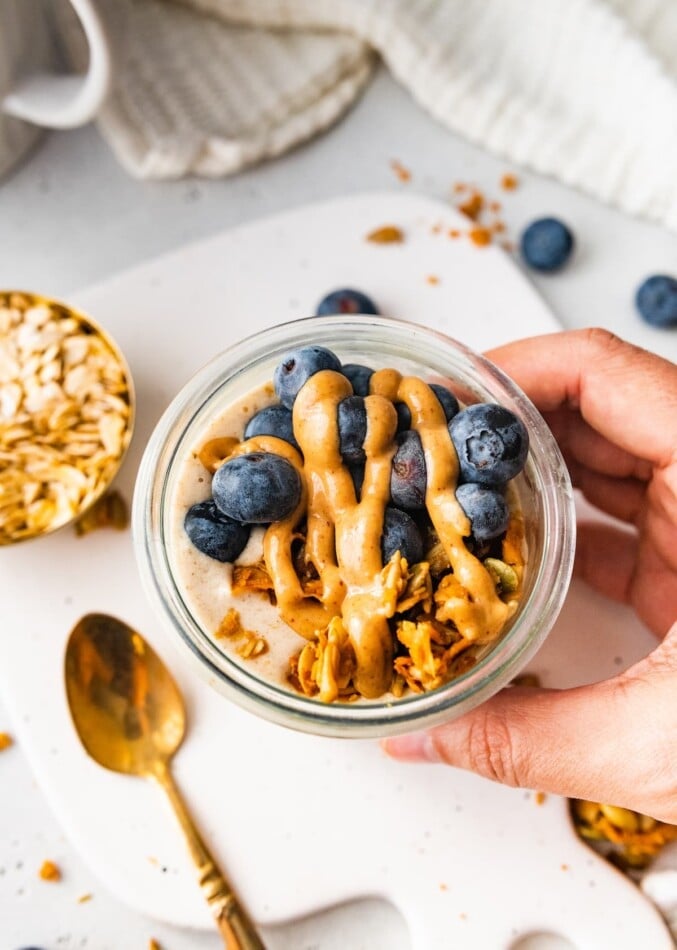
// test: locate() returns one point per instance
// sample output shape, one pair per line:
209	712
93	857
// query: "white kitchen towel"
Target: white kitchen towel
583	90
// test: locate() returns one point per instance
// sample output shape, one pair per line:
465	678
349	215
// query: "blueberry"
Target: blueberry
357	475
401	534
352	426
408	474
214	533
403	416
345	300
274	420
297	367
656	300
547	244
486	509
448	401
359	376
257	488
491	444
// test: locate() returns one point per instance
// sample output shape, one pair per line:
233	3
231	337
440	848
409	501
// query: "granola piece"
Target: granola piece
214	452
252	577
49	871
436	556
432	648
252	646
418	589
388	234
449	597
325	666
629	838
5	741
230	626
513	546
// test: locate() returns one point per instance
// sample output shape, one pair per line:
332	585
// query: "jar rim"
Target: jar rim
533	619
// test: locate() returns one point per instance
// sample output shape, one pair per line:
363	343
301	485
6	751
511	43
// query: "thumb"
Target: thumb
610	741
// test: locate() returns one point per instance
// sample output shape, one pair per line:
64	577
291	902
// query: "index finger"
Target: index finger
626	393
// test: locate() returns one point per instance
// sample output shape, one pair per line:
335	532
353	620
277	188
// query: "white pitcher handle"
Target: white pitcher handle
64	102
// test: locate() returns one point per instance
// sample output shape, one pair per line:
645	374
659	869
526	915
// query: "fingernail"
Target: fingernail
417	747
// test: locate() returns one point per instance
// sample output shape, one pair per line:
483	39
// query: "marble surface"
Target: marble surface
69	216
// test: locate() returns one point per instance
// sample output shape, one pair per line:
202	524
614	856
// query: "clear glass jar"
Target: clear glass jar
544	490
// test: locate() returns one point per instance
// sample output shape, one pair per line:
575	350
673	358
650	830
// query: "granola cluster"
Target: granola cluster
65	415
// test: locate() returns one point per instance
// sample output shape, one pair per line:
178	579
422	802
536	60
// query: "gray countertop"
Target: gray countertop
70	216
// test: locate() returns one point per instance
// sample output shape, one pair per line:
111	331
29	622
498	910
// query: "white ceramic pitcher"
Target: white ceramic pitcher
32	95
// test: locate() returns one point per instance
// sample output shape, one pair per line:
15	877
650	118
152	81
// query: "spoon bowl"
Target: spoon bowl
129	715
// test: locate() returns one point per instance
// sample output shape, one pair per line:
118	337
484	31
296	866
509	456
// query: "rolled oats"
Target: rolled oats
65	415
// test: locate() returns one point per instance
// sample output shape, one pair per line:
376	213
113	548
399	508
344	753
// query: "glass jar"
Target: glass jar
543	487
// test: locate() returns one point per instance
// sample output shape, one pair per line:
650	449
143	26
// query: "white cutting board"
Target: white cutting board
303	822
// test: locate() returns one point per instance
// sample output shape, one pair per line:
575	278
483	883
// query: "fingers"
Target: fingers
611	742
580	443
625	393
606	559
621	498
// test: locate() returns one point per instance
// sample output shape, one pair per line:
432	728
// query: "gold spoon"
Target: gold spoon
129	715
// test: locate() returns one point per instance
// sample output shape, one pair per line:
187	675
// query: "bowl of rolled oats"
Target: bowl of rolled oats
66	414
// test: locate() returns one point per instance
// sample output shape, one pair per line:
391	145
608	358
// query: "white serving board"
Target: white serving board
303	822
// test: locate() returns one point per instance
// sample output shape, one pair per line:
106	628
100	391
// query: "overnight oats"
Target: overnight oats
366	529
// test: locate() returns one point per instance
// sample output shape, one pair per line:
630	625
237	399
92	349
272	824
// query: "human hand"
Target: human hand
613	410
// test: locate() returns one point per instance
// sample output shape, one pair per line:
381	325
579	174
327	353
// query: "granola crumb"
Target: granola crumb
49	871
230	626
454	233
462	916
494	206
498	227
388	234
443	887
436	228
84	898
509	182
472	207
401	172
5	741
564	867
540	798
153	944
432	279
480	236
460	187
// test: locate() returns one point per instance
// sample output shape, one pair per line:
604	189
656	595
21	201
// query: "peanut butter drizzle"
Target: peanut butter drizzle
343	538
481	615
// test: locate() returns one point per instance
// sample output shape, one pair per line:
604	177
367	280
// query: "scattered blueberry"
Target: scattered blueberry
656	300
547	244
447	399
297	367
345	300
400	533
352	426
273	420
403	416
486	509
359	377
257	488
214	533
357	475
408	474
491	443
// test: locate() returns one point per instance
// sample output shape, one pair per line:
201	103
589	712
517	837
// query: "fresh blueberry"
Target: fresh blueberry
408	474
403	416
273	420
257	488
656	300
359	377
448	401
400	533
297	367
491	444
547	244
352	426
345	301
357	475
214	533
486	509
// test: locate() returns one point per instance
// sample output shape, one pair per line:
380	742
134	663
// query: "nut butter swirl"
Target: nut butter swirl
343	537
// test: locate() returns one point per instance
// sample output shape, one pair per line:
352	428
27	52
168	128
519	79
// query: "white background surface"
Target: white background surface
69	217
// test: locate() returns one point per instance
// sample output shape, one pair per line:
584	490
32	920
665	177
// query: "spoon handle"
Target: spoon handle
237	928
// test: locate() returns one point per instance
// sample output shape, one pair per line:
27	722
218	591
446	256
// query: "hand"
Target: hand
613	410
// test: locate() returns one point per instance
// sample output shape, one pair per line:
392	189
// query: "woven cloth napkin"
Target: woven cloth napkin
583	90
